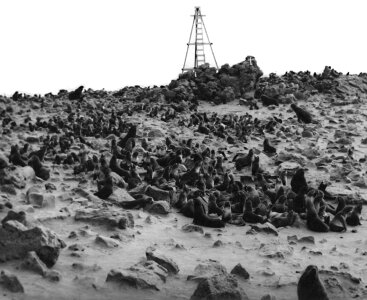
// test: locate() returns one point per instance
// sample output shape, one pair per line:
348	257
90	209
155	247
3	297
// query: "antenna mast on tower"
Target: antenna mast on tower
199	42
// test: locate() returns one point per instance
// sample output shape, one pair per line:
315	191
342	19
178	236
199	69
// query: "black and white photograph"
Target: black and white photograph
183	150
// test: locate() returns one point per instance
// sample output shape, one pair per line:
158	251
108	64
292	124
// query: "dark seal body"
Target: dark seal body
302	115
202	219
310	286
314	222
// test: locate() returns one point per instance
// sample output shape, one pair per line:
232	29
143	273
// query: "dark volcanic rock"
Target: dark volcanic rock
159	207
11	282
162	260
144	275
17	240
220	287
106	217
240	271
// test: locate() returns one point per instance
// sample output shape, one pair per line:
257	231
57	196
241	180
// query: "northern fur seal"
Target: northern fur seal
77	94
310	286
202	219
298	181
243	161
302	115
269	148
338	224
314	222
353	219
250	217
105	187
39	170
227	212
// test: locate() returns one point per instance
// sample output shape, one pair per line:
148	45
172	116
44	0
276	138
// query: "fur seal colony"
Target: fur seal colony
90	179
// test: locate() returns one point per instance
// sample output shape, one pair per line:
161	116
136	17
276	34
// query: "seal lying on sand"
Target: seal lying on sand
310	286
202	219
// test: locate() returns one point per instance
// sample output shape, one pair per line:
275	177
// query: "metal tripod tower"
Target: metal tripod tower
199	42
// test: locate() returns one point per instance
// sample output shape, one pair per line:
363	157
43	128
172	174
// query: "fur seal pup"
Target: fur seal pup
105	187
338	224
269	148
280	205
255	167
202	219
298	181
130	134
243	161
15	157
227	212
182	198
39	170
213	207
314	222
310	286
299	202
77	94
117	169
302	115
353	219
286	219
250	217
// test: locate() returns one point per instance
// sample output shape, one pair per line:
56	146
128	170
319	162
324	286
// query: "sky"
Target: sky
48	45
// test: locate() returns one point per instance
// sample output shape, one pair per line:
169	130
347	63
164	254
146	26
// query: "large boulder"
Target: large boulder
158	194
17	240
219	287
159	258
207	269
159	207
11	282
143	275
107	217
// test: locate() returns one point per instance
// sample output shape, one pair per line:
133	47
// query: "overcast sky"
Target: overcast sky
47	45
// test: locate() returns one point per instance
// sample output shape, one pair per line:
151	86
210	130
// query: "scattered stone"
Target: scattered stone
158	194
17	240
33	263
106	217
159	258
218	243
275	251
82	267
11	282
219	287
207	269
240	271
106	241
53	275
50	186
192	228
266	228
3	161
268	297
159	207
8	189
307	239
38	199
144	275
